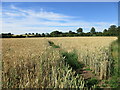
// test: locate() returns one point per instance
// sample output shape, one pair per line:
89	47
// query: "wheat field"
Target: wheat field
32	62
93	51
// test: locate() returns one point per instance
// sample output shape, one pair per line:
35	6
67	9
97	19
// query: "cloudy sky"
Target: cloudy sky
43	17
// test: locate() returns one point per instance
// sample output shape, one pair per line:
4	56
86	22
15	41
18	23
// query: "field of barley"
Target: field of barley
32	62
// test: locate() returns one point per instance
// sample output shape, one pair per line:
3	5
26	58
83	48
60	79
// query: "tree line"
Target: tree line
113	30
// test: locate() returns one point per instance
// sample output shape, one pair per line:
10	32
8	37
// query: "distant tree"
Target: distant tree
105	30
92	30
99	34
113	27
29	33
112	30
79	30
32	33
25	33
43	35
47	34
55	33
37	34
70	32
87	34
9	34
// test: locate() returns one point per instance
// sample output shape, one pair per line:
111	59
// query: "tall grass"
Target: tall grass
114	53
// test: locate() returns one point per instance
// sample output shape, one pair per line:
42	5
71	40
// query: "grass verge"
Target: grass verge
72	59
114	80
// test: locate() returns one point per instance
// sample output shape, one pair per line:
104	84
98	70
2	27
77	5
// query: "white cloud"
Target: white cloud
40	14
18	20
13	7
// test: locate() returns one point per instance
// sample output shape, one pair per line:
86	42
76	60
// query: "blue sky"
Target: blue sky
38	17
60	0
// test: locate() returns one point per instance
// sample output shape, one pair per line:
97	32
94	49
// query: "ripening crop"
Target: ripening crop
92	51
32	62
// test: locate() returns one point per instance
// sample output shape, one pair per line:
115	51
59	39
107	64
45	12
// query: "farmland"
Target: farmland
32	62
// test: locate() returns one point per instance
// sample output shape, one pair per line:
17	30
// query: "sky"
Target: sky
60	0
45	17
